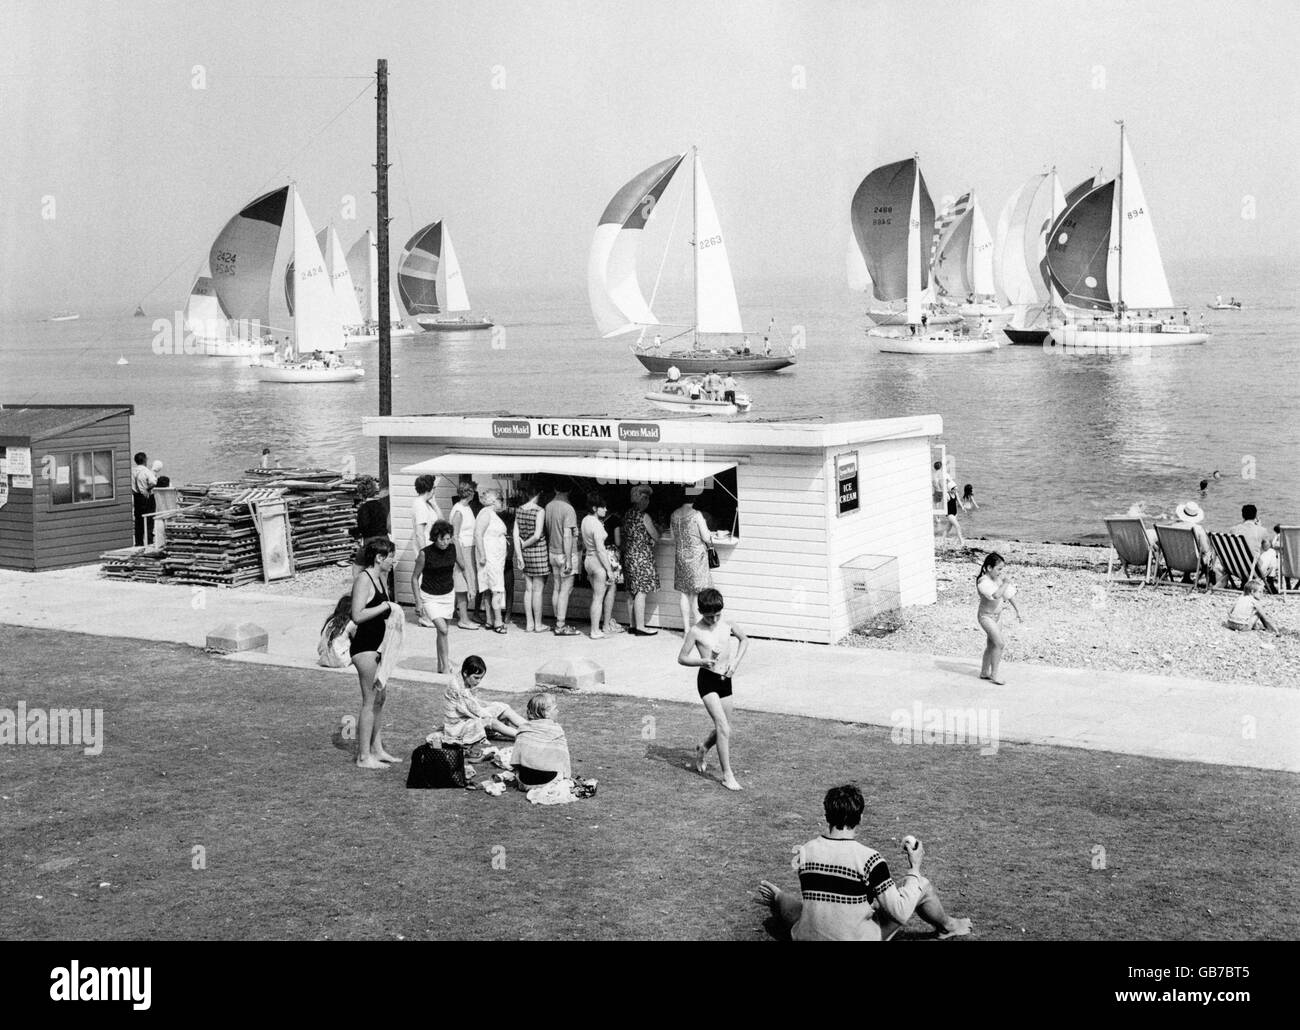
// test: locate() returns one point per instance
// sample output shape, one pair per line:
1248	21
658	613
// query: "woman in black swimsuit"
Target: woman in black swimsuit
370	607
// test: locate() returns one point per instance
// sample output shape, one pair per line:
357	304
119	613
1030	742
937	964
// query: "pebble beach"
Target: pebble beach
1074	619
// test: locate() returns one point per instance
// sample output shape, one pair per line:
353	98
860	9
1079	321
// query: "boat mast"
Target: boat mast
1120	305
695	240
381	217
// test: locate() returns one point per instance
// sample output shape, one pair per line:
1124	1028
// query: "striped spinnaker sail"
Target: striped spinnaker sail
617	302
417	271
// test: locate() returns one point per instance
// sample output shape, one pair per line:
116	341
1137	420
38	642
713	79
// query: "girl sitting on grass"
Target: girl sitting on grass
993	588
336	636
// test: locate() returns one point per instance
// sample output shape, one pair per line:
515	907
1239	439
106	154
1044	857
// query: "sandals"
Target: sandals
499	629
565	631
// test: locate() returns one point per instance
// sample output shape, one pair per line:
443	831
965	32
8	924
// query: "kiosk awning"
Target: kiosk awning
609	469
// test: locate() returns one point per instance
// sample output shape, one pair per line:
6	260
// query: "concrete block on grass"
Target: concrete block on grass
569	674
243	636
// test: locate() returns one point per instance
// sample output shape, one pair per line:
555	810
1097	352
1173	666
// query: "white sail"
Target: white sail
855	268
981	252
952	259
363	266
336	266
1144	285
1001	237
248	256
914	253
204	316
451	284
316	324
716	310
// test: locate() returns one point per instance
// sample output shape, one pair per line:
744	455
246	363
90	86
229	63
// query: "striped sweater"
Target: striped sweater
844	885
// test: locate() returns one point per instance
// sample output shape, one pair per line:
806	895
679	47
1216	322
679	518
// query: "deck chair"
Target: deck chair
1237	558
1288	554
1182	555
1131	550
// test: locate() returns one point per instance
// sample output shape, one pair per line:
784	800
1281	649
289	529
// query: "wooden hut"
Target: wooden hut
821	525
65	483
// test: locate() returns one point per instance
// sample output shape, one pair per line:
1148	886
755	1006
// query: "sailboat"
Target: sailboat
883	242
1018	249
963	265
139	312
891	248
340	279
214	334
1102	255
363	267
427	271
266	265
64	316
719	341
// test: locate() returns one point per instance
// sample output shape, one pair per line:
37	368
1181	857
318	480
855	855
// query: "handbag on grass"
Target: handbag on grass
435	768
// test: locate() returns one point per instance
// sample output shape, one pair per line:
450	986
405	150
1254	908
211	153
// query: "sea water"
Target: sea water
1052	443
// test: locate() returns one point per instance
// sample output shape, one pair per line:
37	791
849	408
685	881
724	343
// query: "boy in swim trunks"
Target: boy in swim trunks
708	647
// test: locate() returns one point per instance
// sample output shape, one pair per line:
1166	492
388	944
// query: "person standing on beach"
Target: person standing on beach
993	588
143	480
433	586
370	607
951	525
708	647
561	531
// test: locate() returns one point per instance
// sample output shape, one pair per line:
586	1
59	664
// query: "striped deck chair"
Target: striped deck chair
1288	553
1131	550
1182	555
1237	558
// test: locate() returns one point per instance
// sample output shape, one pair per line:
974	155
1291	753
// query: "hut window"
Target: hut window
82	477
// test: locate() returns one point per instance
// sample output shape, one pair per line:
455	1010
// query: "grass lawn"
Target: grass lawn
239	759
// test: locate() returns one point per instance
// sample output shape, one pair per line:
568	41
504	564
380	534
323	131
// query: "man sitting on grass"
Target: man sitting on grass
845	890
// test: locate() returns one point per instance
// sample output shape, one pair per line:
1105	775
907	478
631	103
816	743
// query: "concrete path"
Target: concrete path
927	699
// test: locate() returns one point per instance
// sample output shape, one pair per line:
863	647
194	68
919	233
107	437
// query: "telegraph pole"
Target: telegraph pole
381	213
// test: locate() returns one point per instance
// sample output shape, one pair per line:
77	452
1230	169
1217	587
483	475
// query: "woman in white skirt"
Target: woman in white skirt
433	586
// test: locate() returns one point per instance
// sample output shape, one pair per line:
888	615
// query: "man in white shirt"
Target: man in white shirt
1250	528
424	511
143	480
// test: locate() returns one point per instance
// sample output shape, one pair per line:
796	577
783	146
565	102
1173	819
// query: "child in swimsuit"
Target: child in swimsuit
1248	610
707	647
993	589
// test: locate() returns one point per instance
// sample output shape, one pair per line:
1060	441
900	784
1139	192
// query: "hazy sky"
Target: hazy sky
517	122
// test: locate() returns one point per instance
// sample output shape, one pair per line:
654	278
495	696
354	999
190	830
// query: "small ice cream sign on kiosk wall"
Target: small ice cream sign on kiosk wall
846	476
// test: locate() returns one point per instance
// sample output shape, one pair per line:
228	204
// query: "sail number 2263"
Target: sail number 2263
710	241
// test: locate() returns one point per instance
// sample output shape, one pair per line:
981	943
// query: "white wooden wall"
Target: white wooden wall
895	518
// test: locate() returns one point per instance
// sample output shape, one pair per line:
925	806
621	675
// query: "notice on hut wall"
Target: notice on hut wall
846	476
4	491
22	482
18	461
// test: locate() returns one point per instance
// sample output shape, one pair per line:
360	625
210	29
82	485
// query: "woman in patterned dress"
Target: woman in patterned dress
691	543
640	576
531	560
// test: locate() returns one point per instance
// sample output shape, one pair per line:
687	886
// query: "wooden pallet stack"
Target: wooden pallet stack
213	541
